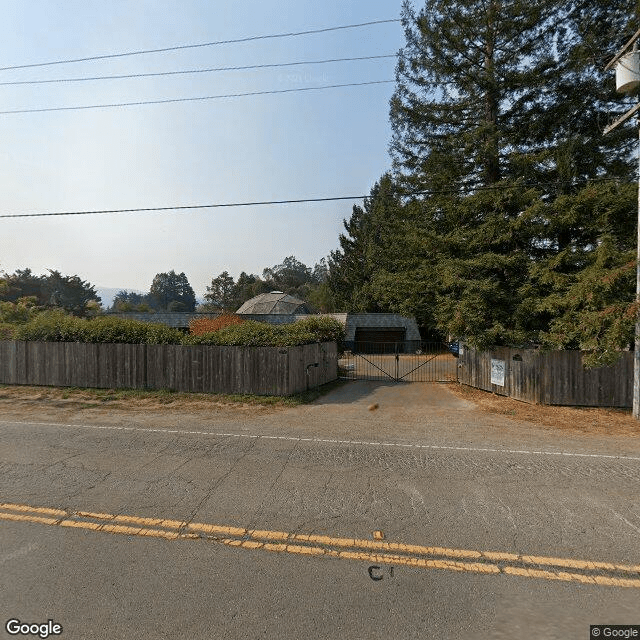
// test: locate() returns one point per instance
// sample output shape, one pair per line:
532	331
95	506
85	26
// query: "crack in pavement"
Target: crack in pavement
250	525
217	483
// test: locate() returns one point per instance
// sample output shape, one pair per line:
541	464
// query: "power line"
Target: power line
197	45
192	71
179	207
195	99
276	202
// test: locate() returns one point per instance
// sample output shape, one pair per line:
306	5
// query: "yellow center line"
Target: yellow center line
485	562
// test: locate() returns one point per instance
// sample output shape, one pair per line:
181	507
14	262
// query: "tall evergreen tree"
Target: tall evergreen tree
172	291
495	98
22	283
491	90
220	294
370	246
582	294
70	293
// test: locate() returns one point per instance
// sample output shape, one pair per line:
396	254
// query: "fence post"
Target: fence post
397	362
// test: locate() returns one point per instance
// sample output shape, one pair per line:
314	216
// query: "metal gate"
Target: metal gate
408	361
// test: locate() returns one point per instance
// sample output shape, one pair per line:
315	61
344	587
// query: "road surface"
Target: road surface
422	518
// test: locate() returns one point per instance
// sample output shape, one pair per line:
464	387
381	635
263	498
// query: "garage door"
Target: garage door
379	340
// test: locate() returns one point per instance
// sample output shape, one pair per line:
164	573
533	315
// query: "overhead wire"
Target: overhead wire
279	202
198	45
194	71
192	99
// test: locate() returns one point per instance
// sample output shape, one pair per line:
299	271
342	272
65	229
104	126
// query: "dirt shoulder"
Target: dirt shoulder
24	398
590	420
370	403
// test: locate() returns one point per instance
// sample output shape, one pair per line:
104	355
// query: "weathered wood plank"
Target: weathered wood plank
201	368
551	377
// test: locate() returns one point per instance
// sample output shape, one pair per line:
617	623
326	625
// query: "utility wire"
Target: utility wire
197	45
187	71
196	99
275	202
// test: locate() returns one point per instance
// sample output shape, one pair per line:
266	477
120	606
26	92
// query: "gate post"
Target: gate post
397	364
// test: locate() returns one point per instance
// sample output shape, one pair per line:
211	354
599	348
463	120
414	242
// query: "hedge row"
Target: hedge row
199	326
55	326
261	334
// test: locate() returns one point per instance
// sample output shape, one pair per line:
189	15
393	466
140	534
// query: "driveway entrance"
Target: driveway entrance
405	361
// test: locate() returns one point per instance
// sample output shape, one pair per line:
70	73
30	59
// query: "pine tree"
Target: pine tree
498	111
491	90
368	248
584	292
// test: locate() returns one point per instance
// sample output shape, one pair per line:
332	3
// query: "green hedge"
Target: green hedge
261	334
7	331
55	326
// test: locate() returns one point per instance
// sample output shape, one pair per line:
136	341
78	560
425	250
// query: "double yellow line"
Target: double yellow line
372	551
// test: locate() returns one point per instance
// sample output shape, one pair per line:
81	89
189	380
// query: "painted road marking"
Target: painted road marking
376	551
568	454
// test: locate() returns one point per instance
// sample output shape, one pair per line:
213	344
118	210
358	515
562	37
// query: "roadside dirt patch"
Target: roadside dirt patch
586	420
26	397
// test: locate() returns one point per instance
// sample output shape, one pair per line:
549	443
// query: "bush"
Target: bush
198	326
260	334
249	333
323	328
56	326
7	331
19	312
53	326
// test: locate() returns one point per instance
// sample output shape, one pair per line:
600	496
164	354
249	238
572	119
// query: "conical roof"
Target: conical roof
274	302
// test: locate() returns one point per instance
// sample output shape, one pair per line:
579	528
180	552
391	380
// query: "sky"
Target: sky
271	147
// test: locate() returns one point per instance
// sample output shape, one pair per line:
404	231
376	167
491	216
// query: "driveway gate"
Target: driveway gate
408	361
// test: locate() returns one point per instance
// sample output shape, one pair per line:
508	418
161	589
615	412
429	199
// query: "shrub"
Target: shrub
53	326
249	333
111	329
7	331
323	328
19	312
260	334
56	326
198	326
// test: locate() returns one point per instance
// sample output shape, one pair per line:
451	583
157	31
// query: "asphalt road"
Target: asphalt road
421	519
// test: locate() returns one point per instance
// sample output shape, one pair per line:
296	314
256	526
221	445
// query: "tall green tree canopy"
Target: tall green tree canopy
291	276
221	293
491	90
172	292
496	222
53	290
131	301
23	283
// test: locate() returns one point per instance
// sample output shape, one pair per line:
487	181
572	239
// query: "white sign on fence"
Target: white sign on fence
497	372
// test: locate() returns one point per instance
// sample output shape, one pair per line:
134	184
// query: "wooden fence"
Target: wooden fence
548	377
199	368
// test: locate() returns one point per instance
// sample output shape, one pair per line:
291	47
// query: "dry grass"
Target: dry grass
586	420
145	400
